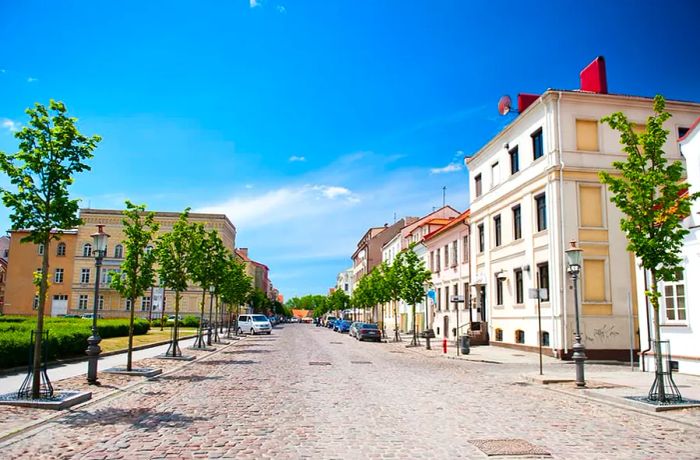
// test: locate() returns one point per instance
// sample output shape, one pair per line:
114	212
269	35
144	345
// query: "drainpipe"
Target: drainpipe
646	302
562	290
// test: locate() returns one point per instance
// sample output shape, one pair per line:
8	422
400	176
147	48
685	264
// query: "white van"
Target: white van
254	324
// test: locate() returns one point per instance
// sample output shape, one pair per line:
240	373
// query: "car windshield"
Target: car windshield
369	326
259	318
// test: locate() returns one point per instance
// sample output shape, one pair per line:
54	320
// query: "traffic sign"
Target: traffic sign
457	299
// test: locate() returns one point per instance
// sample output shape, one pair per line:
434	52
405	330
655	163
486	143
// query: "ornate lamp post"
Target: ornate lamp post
93	349
573	261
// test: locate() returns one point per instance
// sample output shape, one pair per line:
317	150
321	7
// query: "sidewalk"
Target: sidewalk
608	382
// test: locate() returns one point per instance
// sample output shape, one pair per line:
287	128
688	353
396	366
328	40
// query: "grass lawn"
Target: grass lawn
153	335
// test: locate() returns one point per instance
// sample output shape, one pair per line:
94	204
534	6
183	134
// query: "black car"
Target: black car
368	331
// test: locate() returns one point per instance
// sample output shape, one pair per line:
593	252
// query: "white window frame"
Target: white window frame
84	275
83	302
662	299
58	276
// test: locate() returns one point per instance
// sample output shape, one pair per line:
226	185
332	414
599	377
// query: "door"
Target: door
59	305
481	311
446	326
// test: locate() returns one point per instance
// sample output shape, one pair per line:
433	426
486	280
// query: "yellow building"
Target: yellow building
73	268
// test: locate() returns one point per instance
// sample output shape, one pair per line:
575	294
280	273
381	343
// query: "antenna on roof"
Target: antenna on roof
394	216
444	188
505	105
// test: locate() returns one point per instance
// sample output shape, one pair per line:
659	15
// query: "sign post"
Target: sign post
457	299
538	294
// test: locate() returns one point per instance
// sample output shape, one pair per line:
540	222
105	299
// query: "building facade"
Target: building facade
534	187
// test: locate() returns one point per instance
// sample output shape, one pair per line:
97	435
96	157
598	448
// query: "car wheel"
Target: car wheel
360	339
240	331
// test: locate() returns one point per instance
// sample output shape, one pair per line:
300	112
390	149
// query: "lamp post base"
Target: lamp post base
579	357
93	351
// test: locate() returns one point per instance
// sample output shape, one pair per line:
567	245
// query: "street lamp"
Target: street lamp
93	349
573	260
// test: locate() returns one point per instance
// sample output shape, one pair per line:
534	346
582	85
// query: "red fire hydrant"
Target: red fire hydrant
444	344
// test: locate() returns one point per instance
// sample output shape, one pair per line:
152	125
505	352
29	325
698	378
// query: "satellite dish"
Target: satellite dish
504	105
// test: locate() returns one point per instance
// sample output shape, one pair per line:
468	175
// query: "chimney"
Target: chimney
243	251
525	100
594	78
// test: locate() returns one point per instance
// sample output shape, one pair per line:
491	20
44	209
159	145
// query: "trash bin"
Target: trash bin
464	344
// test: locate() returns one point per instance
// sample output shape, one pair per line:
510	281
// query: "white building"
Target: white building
678	313
534	187
345	281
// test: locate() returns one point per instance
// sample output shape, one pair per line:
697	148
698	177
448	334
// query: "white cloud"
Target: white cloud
332	192
452	167
248	186
295	158
255	3
32	79
281	9
10	125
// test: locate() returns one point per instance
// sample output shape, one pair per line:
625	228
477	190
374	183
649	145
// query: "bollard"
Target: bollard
444	344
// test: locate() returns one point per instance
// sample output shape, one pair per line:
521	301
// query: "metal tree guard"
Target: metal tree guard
664	389
45	389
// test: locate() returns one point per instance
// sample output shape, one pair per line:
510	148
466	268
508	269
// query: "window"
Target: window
87	250
101	302
40	249
128	304
541	205
519	336
439	298
83	302
519	291
499	290
145	302
674	297
514	160
499	335
58	275
346	287
447	255
480	229
454	253
517	223
544	339
432	261
495	175
84	275
537	147
61	249
682	131
587	135
447	298
477	185
590	205
35	303
594	285
465	249
118	251
543	279
437	261
497	230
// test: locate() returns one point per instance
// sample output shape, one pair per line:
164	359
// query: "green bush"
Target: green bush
67	336
190	321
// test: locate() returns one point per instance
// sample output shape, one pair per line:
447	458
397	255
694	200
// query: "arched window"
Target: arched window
61	249
545	338
118	251
519	336
499	335
87	250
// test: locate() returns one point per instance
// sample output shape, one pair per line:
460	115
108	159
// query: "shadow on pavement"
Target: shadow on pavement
140	418
190	378
223	362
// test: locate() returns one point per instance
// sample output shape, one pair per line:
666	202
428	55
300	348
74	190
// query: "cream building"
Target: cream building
534	187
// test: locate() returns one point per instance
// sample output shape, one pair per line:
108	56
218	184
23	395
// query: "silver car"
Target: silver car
254	324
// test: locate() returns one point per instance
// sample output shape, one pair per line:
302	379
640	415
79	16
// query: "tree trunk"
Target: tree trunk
414	340
43	287
175	326
658	359
130	346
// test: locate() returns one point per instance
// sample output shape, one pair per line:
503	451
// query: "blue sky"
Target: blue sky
309	121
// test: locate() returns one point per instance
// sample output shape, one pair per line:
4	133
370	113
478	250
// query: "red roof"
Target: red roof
690	130
453	222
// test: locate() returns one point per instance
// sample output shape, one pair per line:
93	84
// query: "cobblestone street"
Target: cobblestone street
261	398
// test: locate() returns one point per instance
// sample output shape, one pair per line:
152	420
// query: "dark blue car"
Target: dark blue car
343	326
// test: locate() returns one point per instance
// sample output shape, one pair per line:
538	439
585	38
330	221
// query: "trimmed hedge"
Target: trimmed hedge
67	336
190	321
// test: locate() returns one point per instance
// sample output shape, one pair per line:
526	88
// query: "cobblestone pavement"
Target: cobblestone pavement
260	398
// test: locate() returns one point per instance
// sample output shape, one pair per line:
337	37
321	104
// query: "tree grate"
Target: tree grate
508	447
319	363
336	343
360	362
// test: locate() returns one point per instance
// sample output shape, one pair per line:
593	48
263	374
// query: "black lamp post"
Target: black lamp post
93	349
573	261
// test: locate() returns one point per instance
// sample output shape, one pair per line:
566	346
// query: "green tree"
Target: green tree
392	281
258	300
173	253
137	271
650	193
236	286
51	152
414	278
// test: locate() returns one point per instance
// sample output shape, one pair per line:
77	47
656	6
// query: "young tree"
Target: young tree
235	286
51	152
650	193
393	286
258	300
414	278
137	271
173	254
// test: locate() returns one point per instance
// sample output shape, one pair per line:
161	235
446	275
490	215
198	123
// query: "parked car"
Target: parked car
369	331
254	324
343	326
330	323
353	328
171	319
